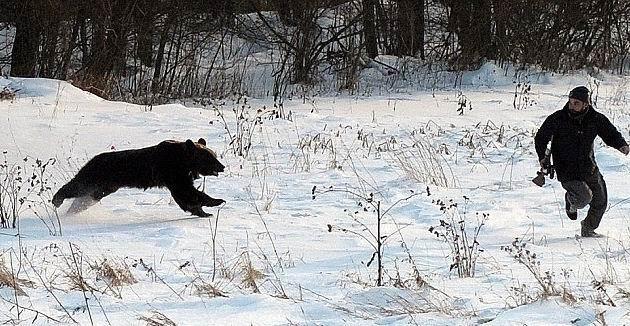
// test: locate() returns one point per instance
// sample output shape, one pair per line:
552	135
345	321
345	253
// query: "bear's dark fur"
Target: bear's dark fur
171	164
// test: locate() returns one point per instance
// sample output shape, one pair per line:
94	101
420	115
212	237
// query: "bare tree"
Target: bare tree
411	27
369	28
170	48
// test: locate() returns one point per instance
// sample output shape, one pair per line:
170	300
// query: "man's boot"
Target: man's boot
587	232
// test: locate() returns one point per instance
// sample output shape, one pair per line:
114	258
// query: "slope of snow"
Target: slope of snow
273	260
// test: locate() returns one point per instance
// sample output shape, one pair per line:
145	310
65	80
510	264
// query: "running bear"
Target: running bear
171	164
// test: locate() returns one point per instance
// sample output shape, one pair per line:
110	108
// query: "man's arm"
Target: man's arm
611	136
543	136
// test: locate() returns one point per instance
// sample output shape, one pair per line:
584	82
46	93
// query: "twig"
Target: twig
79	273
273	244
15	287
50	290
152	271
37	312
213	234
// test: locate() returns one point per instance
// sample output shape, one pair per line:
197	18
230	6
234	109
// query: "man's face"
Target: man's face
576	105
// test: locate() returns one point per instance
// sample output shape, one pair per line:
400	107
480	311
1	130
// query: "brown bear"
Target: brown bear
171	164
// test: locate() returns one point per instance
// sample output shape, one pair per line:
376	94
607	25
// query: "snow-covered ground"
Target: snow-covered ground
292	243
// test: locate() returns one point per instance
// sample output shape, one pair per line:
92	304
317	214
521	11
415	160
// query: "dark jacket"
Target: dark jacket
572	144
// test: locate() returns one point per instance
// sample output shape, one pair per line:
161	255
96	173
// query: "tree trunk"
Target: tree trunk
97	66
410	27
26	42
67	54
471	21
48	65
156	83
286	11
303	42
419	13
369	28
144	21
109	42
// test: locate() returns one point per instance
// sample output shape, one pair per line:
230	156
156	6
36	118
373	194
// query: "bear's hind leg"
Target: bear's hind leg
84	202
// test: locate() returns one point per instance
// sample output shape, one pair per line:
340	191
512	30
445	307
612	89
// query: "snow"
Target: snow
273	259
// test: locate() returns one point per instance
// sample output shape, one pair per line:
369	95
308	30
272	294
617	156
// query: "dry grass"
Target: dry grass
201	283
422	163
8	279
7	94
207	290
114	273
78	282
250	275
157	319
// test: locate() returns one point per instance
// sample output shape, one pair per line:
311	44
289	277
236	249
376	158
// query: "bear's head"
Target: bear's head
203	160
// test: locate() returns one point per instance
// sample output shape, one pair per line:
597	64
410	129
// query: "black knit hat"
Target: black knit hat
580	93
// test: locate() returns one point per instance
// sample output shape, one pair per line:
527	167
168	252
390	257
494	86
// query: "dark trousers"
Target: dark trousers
591	191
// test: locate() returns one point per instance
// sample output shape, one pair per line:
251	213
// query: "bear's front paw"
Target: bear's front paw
57	200
199	212
214	202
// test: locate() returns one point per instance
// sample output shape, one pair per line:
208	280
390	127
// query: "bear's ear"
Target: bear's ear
202	141
190	146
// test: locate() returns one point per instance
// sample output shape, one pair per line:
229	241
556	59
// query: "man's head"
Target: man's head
579	99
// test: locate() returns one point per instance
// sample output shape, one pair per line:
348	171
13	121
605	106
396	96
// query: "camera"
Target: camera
546	169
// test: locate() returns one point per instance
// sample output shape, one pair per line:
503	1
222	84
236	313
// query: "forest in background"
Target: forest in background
151	51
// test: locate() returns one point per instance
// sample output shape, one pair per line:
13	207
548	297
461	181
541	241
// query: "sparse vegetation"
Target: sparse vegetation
268	78
522	96
463	103
27	185
9	279
375	238
7	94
157	319
422	162
527	258
461	238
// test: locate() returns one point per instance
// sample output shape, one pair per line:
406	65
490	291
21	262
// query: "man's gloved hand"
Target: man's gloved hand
625	150
544	163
